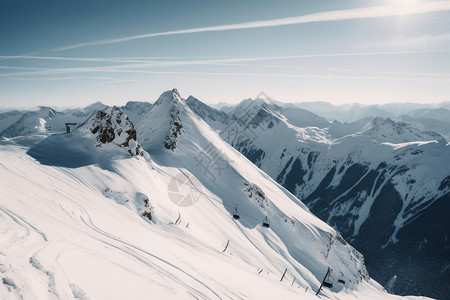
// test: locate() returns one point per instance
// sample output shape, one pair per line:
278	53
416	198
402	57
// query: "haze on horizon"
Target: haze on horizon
74	53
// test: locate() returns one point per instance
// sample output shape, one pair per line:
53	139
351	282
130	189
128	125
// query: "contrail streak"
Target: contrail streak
336	15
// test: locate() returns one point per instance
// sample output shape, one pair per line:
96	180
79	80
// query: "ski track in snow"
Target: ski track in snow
130	252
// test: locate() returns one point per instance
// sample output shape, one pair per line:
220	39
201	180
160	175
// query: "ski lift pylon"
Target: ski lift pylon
266	223
68	126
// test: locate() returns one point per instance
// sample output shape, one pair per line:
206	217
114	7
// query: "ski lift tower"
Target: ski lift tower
68	127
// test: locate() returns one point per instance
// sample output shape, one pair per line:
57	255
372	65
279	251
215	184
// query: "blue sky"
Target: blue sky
72	53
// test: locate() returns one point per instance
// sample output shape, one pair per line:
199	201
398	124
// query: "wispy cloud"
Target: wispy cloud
390	73
78	59
419	42
139	62
111	71
145	66
336	15
101	59
105	79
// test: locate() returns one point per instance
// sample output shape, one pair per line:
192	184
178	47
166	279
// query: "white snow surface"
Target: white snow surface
72	227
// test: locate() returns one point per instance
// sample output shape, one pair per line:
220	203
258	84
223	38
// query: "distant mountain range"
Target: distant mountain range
427	117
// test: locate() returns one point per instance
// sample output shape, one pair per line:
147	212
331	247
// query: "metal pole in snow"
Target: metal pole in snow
283	275
179	218
226	246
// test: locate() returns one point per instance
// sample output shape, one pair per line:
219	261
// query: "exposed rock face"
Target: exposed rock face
254	192
175	125
111	125
175	129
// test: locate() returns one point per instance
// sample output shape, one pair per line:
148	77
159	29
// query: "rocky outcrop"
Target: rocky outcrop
111	125
174	130
255	193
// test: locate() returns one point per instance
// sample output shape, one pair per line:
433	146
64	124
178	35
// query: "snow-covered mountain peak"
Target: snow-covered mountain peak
216	118
136	110
30	122
388	130
169	96
50	112
111	125
256	113
137	106
95	106
163	125
258	102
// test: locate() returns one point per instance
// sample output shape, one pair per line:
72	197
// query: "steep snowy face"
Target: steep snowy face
111	125
374	180
162	124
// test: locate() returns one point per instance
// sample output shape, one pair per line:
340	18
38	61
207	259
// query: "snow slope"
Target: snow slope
80	221
384	185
